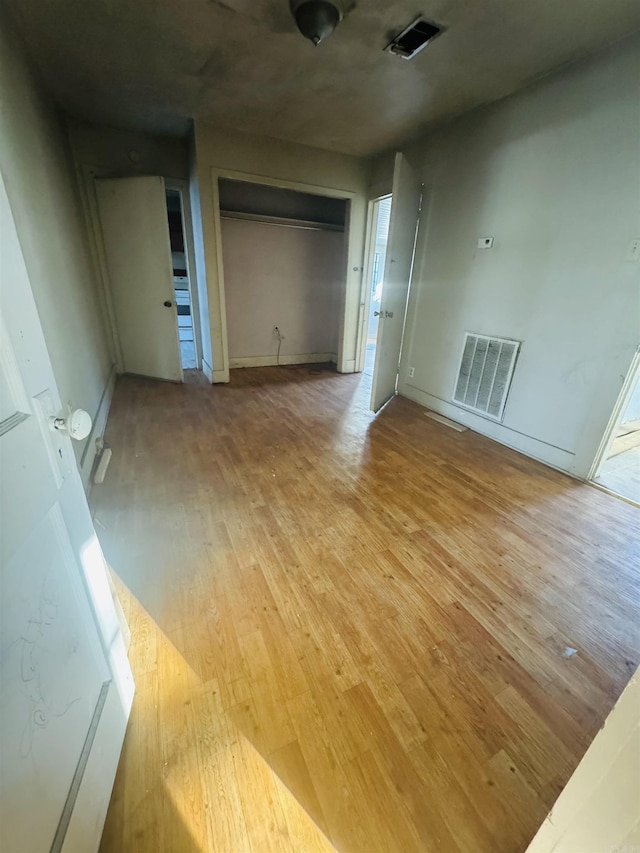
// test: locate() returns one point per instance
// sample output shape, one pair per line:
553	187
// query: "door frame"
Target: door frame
400	164
329	192
88	172
616	417
182	187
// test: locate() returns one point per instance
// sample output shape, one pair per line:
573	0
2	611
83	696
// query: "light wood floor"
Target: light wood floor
349	632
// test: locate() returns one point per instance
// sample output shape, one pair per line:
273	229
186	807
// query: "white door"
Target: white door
405	207
65	683
135	230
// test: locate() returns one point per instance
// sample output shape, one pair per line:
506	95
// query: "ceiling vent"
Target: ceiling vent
486	370
414	38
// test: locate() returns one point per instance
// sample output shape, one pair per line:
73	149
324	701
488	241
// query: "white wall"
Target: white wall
284	163
37	169
553	174
599	809
126	153
292	278
381	175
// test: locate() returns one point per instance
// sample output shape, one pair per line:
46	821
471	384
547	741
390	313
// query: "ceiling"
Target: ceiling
154	64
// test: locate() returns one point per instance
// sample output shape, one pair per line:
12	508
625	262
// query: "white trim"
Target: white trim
214	376
272	360
221	298
345	304
98	428
182	187
220	330
281	221
365	291
598	808
207	370
266	180
365	287
87	173
348	366
555	457
611	492
616	416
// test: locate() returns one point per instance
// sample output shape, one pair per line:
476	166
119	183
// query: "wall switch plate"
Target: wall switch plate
634	250
412	372
485	242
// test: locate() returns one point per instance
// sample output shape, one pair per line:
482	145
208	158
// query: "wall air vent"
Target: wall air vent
486	370
413	38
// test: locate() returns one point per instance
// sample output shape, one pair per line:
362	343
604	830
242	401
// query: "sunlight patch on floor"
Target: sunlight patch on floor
222	768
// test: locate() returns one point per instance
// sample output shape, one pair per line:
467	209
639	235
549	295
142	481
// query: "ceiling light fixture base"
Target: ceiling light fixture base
317	19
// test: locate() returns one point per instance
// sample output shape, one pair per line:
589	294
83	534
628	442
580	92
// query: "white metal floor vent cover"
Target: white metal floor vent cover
486	370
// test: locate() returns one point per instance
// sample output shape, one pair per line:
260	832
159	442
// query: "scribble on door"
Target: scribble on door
32	654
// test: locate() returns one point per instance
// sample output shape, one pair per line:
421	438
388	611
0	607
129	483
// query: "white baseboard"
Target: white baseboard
214	376
555	457
97	430
348	366
207	370
271	360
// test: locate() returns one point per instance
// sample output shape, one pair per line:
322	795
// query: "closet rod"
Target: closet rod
280	221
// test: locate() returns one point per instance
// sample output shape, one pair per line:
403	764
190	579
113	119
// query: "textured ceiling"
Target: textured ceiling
154	64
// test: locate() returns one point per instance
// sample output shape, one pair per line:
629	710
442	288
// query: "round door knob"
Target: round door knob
167	303
77	424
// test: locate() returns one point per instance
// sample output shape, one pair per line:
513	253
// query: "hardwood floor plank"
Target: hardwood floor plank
216	742
388	820
288	762
432	823
349	632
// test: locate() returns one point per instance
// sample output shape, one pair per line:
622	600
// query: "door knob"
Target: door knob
377	313
167	303
77	424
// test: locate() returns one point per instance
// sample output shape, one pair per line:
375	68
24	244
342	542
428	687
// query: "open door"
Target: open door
65	684
405	208
133	216
617	464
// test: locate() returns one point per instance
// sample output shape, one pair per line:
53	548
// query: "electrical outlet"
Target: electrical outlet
485	242
412	372
634	250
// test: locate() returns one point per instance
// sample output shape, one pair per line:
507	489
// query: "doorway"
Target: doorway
380	217
135	240
403	206
181	280
284	254
618	466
